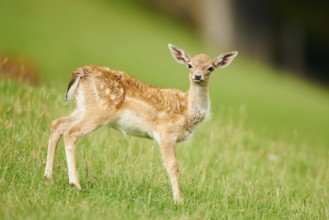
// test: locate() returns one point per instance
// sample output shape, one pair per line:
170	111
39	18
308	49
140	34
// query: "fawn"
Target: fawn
110	97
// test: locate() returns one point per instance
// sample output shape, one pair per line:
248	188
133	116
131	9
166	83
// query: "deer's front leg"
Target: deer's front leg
168	154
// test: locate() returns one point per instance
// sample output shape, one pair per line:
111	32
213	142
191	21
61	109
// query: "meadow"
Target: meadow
262	155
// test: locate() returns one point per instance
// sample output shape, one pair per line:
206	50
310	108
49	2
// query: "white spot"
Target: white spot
107	91
113	97
161	114
104	104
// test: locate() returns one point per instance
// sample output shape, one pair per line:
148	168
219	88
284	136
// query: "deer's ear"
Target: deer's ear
179	54
224	59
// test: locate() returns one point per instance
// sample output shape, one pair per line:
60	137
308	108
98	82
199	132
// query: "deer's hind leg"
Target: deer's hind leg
72	134
57	129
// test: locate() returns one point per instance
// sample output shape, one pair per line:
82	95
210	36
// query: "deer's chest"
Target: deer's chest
193	119
188	128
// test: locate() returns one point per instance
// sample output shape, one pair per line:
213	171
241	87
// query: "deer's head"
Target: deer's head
201	66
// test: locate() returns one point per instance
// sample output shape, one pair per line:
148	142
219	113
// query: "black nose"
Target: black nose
197	77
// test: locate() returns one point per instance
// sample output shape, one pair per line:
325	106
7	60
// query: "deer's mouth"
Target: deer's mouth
198	80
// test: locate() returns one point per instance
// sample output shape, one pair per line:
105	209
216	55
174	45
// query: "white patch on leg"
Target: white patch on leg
156	137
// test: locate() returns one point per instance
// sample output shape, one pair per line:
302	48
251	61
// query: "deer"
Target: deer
110	97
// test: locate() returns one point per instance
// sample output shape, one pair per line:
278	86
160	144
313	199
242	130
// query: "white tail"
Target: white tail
106	96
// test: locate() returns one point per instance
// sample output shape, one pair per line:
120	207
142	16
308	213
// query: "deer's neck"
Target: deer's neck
198	102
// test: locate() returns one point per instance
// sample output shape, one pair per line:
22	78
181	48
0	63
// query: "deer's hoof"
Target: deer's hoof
179	200
76	185
48	176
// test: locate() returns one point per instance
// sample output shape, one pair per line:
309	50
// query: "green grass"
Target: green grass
263	154
227	171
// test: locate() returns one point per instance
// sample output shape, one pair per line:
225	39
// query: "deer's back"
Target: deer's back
115	88
136	108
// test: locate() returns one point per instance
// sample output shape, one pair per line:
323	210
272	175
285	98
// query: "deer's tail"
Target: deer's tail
74	84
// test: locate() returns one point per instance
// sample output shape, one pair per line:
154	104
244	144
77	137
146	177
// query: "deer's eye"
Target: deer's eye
210	69
189	66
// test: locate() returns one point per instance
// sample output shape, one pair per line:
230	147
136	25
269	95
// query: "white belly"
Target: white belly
131	124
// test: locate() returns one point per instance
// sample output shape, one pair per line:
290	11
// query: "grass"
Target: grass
263	154
227	171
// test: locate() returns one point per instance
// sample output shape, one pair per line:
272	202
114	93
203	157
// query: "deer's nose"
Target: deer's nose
197	77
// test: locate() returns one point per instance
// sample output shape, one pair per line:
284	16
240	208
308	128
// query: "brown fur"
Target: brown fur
106	96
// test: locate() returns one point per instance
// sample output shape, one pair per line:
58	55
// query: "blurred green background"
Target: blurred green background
263	154
57	37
